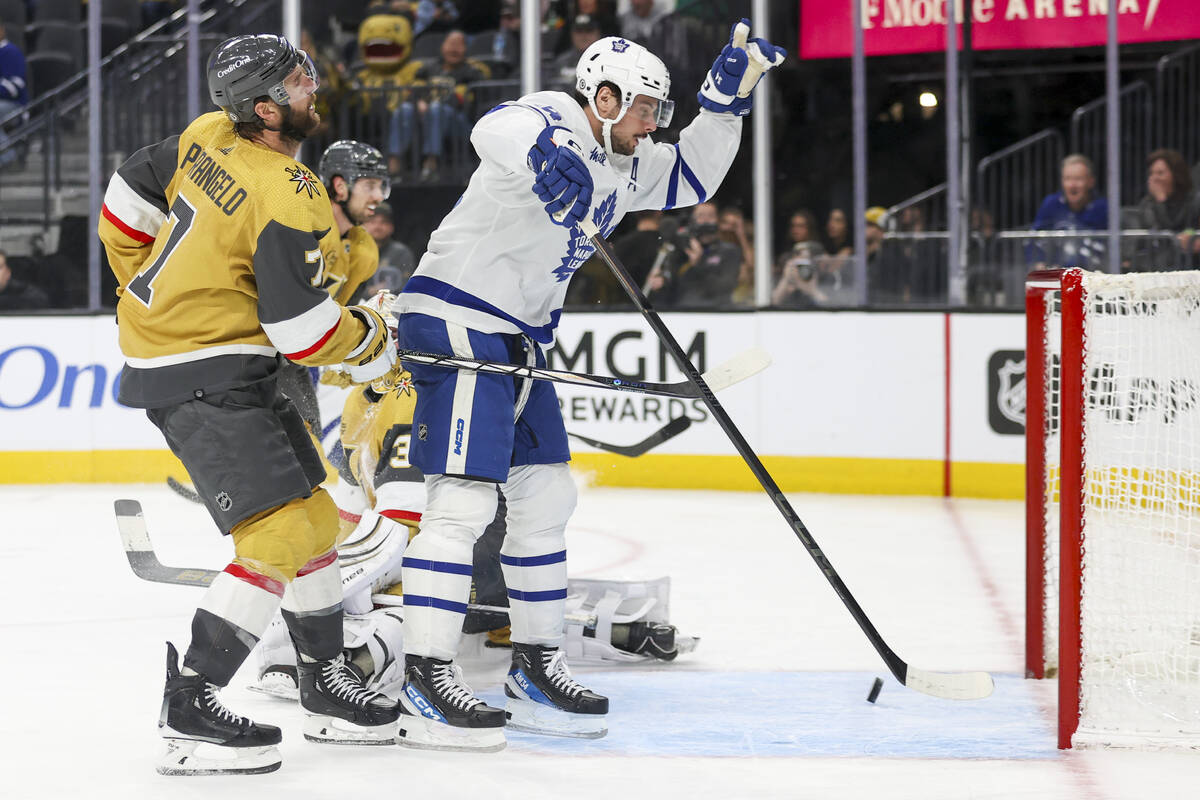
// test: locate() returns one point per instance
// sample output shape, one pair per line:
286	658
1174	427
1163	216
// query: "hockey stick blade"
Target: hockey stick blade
736	369
183	491
950	685
131	524
668	431
960	686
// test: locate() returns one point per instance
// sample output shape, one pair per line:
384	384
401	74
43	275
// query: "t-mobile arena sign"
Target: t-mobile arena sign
891	27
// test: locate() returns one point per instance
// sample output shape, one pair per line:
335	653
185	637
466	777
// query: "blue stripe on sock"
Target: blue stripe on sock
534	597
421	601
534	561
437	566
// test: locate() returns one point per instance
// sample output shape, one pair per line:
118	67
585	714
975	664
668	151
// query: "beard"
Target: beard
297	125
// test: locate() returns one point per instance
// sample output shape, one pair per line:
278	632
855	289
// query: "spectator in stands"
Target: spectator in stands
802	231
444	107
18	295
710	267
385	82
434	16
1075	207
393	254
837	234
644	250
639	22
560	72
731	225
502	48
1170	204
807	275
887	271
603	12
14	91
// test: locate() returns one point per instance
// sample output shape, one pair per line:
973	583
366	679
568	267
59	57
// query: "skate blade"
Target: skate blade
419	733
325	729
529	716
182	758
283	688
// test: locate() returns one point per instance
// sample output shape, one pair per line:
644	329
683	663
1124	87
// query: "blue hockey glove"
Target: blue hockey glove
562	179
737	70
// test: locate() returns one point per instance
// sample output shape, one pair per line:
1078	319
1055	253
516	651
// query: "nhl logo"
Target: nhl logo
422	432
224	501
1006	392
1010	397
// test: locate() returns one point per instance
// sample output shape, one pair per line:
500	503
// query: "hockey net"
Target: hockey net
1113	504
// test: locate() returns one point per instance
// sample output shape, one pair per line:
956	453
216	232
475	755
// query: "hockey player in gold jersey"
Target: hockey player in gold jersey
221	243
355	178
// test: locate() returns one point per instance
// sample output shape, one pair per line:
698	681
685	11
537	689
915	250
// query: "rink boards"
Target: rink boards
858	402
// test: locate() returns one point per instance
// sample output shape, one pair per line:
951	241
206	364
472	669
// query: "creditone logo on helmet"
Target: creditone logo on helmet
241	62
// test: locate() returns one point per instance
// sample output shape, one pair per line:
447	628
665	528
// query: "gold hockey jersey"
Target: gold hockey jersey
226	254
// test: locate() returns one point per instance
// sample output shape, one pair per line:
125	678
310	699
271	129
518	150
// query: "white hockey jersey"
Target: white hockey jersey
498	264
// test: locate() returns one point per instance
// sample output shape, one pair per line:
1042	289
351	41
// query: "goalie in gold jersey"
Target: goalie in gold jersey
222	244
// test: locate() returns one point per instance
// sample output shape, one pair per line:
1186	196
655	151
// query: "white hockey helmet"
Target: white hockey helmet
632	68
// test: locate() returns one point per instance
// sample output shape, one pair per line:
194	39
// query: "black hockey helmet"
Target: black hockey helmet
243	68
353	160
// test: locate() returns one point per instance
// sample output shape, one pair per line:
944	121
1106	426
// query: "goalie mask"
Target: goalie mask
353	160
245	68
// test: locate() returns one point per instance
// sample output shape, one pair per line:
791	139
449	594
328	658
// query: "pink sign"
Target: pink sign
891	27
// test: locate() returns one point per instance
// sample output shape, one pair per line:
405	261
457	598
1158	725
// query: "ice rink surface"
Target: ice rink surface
771	704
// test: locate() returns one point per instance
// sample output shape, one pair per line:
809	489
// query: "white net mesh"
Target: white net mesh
1140	603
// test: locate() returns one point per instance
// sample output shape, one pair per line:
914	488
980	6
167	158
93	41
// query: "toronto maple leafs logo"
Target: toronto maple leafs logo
305	181
620	46
580	247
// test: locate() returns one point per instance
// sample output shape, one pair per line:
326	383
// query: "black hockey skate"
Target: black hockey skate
193	716
441	712
339	710
544	698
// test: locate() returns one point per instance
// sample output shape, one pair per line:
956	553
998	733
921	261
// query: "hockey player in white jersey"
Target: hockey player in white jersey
491	286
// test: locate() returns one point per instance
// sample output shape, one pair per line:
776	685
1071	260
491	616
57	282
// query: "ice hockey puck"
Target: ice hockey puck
875	687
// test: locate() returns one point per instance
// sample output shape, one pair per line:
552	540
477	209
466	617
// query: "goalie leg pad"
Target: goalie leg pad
370	561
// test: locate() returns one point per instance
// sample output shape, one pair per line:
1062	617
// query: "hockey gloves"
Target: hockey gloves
562	180
376	353
737	70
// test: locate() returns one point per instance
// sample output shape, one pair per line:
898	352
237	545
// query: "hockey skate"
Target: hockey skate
203	736
338	710
544	698
441	712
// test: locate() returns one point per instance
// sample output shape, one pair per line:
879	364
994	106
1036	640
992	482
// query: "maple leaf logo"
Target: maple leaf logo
305	181
620	46
580	248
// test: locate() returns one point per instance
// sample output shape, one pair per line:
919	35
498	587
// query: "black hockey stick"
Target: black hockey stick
736	369
668	431
955	686
186	492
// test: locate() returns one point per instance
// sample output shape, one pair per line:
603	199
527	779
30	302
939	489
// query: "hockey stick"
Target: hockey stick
135	536
183	491
954	686
668	431
737	369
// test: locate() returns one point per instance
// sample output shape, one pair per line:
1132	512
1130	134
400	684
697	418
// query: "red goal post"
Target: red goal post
1113	503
